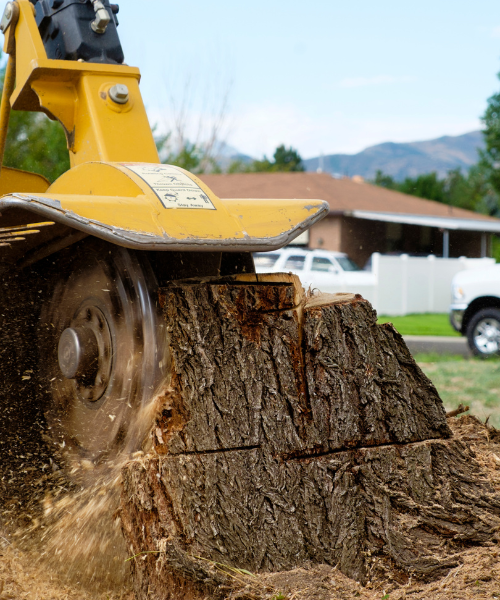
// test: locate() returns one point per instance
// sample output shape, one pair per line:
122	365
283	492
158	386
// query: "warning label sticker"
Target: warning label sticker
173	187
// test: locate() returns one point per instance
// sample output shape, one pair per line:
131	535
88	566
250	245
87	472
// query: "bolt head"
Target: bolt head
78	352
102	18
119	94
69	353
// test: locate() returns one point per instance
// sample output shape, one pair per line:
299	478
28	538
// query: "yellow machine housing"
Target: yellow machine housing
116	188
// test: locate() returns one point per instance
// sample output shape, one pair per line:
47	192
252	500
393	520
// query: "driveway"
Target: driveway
439	344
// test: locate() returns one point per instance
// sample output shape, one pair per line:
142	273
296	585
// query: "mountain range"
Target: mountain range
402	160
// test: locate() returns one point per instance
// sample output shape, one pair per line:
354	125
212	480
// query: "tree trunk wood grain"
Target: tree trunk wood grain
294	432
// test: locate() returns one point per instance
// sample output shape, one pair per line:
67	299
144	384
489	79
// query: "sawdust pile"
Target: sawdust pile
478	577
33	574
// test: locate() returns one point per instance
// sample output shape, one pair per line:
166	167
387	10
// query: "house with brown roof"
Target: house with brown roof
364	218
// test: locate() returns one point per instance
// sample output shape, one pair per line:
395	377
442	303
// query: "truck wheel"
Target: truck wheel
483	332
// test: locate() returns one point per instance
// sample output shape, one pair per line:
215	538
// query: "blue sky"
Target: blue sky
320	76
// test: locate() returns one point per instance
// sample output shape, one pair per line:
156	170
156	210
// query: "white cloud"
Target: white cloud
495	32
354	82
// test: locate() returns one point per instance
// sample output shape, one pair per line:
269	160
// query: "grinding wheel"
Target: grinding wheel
104	349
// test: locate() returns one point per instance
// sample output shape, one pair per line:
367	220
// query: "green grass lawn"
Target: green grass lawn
421	324
473	382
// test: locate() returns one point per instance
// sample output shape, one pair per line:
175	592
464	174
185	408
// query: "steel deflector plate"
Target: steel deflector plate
282	220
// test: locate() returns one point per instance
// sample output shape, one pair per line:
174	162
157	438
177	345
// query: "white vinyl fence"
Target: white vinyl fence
406	284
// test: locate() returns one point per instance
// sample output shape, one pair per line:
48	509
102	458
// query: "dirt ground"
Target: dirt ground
24	576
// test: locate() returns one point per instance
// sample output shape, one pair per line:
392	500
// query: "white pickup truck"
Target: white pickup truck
325	271
475	309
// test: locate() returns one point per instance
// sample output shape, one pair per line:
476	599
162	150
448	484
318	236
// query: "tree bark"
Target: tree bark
294	432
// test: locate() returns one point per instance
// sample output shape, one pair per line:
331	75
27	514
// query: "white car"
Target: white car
475	309
329	272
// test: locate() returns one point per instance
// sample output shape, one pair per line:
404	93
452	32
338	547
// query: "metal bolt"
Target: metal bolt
7	17
102	18
119	93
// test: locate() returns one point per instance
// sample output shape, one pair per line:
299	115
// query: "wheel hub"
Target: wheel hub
78	352
85	352
103	349
487	336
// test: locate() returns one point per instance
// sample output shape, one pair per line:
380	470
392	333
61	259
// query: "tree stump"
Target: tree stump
294	432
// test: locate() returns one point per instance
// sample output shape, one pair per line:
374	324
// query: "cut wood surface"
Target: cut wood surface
294	433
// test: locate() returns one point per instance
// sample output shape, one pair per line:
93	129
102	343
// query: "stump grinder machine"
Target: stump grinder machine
113	228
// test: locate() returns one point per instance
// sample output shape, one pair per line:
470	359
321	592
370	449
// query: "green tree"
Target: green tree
239	166
425	186
491	155
188	157
485	198
285	160
193	158
385	181
487	171
472	190
261	166
36	144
